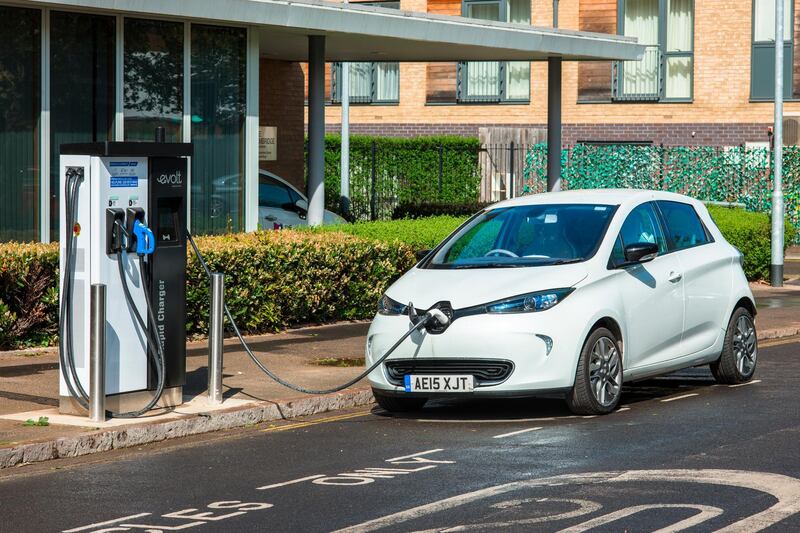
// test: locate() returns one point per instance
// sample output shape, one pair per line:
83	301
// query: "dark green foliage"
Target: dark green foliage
407	170
432	209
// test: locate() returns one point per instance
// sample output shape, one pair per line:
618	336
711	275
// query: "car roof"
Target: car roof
594	196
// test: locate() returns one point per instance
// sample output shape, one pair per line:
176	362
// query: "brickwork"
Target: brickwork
281	104
720	113
702	134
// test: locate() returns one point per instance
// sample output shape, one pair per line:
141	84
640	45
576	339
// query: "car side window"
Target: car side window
683	225
642	226
271	193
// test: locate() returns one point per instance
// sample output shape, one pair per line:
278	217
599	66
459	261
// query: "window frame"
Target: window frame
618	66
671	246
612	264
462	67
336	88
788	52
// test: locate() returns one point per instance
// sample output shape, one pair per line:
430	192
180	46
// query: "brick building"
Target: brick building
706	79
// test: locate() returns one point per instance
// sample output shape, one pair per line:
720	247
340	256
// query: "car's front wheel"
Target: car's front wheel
737	363
598	378
398	404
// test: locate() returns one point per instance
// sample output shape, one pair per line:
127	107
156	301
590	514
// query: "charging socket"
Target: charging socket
133	214
114	237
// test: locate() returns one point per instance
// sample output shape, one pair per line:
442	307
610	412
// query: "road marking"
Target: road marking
744	384
521	431
622	409
107	522
784	489
705	513
316	422
665	400
292	482
413	455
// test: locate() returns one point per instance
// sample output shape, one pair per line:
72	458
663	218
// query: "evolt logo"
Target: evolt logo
170	179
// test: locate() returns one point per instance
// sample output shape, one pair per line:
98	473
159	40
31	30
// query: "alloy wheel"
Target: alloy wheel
605	371
745	348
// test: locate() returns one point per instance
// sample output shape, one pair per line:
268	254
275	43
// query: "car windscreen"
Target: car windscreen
526	235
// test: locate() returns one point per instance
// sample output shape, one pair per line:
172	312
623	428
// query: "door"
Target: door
652	293
707	275
277	205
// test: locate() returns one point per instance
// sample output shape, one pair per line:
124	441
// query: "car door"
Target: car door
276	205
651	293
707	276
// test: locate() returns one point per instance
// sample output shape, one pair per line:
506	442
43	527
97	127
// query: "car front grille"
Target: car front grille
486	371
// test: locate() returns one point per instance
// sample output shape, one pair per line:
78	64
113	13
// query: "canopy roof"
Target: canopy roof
362	33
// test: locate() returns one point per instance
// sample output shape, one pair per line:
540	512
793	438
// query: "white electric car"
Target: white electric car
573	292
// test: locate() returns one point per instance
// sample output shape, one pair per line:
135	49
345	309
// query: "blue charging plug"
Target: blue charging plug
145	240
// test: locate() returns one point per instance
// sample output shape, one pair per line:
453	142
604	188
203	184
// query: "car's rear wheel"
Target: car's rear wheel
737	363
397	404
598	378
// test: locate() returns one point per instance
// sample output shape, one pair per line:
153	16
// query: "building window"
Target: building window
370	82
82	88
153	88
495	81
20	88
762	72
218	74
666	28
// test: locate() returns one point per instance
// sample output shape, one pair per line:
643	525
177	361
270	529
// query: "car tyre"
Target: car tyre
598	378
395	404
737	363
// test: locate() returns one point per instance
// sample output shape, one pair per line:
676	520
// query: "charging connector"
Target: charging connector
132	215
115	242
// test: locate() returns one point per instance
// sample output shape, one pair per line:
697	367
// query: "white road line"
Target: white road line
515	433
665	400
107	522
621	409
292	482
744	384
393	459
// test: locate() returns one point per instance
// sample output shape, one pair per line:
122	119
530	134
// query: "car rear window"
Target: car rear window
684	227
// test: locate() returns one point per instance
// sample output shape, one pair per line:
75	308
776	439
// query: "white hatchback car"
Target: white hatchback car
572	292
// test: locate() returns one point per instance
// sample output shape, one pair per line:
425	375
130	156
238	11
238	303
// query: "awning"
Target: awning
361	33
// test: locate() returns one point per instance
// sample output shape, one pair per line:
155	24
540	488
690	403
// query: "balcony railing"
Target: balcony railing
639	81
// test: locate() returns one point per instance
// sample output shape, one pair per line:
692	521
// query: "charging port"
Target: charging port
133	214
114	240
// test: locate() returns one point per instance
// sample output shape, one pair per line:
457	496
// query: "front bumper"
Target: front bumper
518	338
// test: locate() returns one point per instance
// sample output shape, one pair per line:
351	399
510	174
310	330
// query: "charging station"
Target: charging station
123	218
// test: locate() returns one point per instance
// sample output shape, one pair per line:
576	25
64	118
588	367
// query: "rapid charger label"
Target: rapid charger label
124	173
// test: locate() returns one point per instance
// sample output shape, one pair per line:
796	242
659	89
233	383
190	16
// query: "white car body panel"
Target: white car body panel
669	313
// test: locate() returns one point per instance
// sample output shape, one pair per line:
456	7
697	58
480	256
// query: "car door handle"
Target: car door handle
675	277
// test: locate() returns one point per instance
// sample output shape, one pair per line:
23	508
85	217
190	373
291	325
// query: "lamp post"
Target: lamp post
776	263
344	180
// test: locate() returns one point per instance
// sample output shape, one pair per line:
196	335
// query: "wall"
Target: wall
720	113
281	104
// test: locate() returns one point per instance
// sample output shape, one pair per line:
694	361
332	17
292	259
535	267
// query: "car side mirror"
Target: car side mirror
640	252
301	205
421	254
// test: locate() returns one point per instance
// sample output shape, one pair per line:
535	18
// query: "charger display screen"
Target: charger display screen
168	230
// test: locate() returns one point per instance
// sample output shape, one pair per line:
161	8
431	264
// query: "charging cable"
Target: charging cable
431	315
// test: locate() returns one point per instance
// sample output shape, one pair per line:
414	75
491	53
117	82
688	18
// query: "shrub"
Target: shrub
750	233
432	209
273	279
419	234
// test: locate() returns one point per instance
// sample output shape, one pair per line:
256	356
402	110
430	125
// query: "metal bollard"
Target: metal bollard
215	337
97	354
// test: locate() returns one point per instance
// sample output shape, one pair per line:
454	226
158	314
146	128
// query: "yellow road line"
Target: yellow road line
318	421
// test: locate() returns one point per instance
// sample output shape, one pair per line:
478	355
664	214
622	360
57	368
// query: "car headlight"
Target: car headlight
529	303
387	306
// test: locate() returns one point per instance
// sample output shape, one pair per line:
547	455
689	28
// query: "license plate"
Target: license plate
440	383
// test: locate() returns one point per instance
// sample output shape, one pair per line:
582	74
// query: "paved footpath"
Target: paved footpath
681	453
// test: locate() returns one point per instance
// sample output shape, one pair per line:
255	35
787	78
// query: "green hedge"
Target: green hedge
751	233
274	279
406	170
419	234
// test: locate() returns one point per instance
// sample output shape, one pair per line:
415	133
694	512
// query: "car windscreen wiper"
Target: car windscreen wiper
567	261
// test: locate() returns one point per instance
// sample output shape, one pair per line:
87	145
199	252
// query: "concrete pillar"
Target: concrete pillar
554	124
316	129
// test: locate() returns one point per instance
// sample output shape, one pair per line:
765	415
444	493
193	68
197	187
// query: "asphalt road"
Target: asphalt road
682	453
